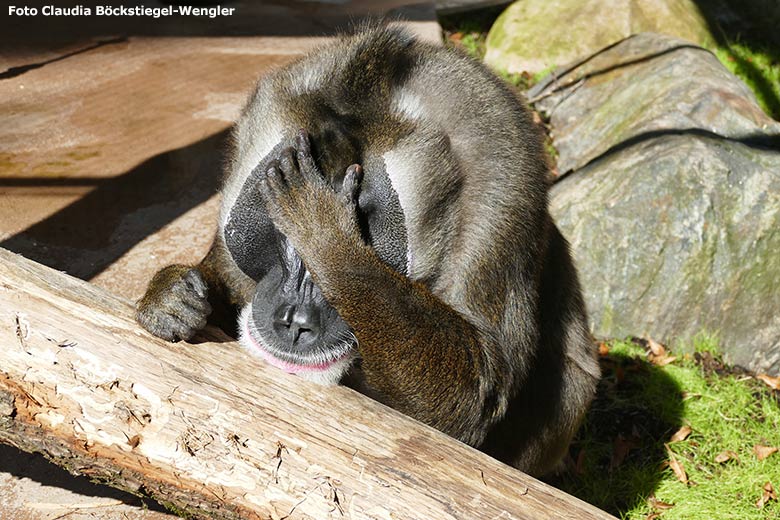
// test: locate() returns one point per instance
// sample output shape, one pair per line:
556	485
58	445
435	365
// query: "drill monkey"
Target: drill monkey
402	241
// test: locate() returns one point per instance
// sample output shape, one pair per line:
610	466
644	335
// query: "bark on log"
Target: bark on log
212	432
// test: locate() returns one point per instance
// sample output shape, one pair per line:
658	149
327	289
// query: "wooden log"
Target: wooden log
212	432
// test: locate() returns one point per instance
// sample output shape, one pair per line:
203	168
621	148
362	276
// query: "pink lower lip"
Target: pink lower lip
290	368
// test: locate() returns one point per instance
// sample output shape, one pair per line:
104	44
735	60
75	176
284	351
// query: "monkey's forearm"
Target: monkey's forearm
419	353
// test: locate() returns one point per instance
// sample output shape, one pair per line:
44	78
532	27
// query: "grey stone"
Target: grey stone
670	197
462	6
534	35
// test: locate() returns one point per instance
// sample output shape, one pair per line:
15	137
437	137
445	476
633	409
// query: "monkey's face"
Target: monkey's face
288	322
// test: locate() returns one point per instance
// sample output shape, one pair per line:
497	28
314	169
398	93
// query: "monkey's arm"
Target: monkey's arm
181	299
422	356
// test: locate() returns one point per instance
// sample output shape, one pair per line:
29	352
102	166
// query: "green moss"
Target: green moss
607	318
706	342
748	44
745	40
176	510
543	73
641	406
759	69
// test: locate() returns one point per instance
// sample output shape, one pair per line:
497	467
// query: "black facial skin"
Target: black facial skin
290	317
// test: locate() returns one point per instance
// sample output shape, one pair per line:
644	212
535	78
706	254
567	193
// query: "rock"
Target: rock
447	7
670	197
535	35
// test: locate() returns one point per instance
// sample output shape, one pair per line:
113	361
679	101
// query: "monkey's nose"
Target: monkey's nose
299	323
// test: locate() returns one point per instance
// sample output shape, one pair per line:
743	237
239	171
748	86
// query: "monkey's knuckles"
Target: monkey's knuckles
178	310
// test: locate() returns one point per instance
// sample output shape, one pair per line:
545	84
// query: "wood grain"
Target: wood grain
213	432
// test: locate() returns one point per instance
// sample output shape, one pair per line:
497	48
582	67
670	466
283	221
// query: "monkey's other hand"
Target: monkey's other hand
301	203
175	305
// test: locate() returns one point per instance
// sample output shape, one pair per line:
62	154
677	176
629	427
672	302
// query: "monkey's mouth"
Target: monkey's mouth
319	363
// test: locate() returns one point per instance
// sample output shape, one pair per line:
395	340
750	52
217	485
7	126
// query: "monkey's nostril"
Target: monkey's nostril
305	325
297	331
300	324
284	315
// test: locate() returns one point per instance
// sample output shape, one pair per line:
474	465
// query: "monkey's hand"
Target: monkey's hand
302	205
175	305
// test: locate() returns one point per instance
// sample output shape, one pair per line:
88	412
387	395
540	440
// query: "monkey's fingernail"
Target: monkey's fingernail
303	140
356	170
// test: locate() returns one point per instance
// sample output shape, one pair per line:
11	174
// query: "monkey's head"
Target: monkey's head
288	322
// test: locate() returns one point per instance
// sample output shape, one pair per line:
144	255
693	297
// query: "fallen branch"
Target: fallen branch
212	432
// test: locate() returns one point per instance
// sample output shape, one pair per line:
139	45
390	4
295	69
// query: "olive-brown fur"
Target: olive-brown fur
485	337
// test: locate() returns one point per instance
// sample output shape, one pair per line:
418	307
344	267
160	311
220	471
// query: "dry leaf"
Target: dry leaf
763	452
658	504
603	349
724	456
658	354
656	348
773	382
620	449
677	467
681	434
662	361
767	495
679	470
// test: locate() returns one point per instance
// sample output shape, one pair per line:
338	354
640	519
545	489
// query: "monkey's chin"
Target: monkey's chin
327	373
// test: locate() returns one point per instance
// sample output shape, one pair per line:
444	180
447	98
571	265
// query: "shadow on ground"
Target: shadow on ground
616	460
35	467
87	236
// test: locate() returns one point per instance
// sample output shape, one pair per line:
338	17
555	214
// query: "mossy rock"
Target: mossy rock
534	35
670	197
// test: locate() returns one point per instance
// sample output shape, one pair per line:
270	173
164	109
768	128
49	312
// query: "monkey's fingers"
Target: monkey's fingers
309	170
173	328
173	322
276	193
351	185
290	169
274	182
302	141
194	281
